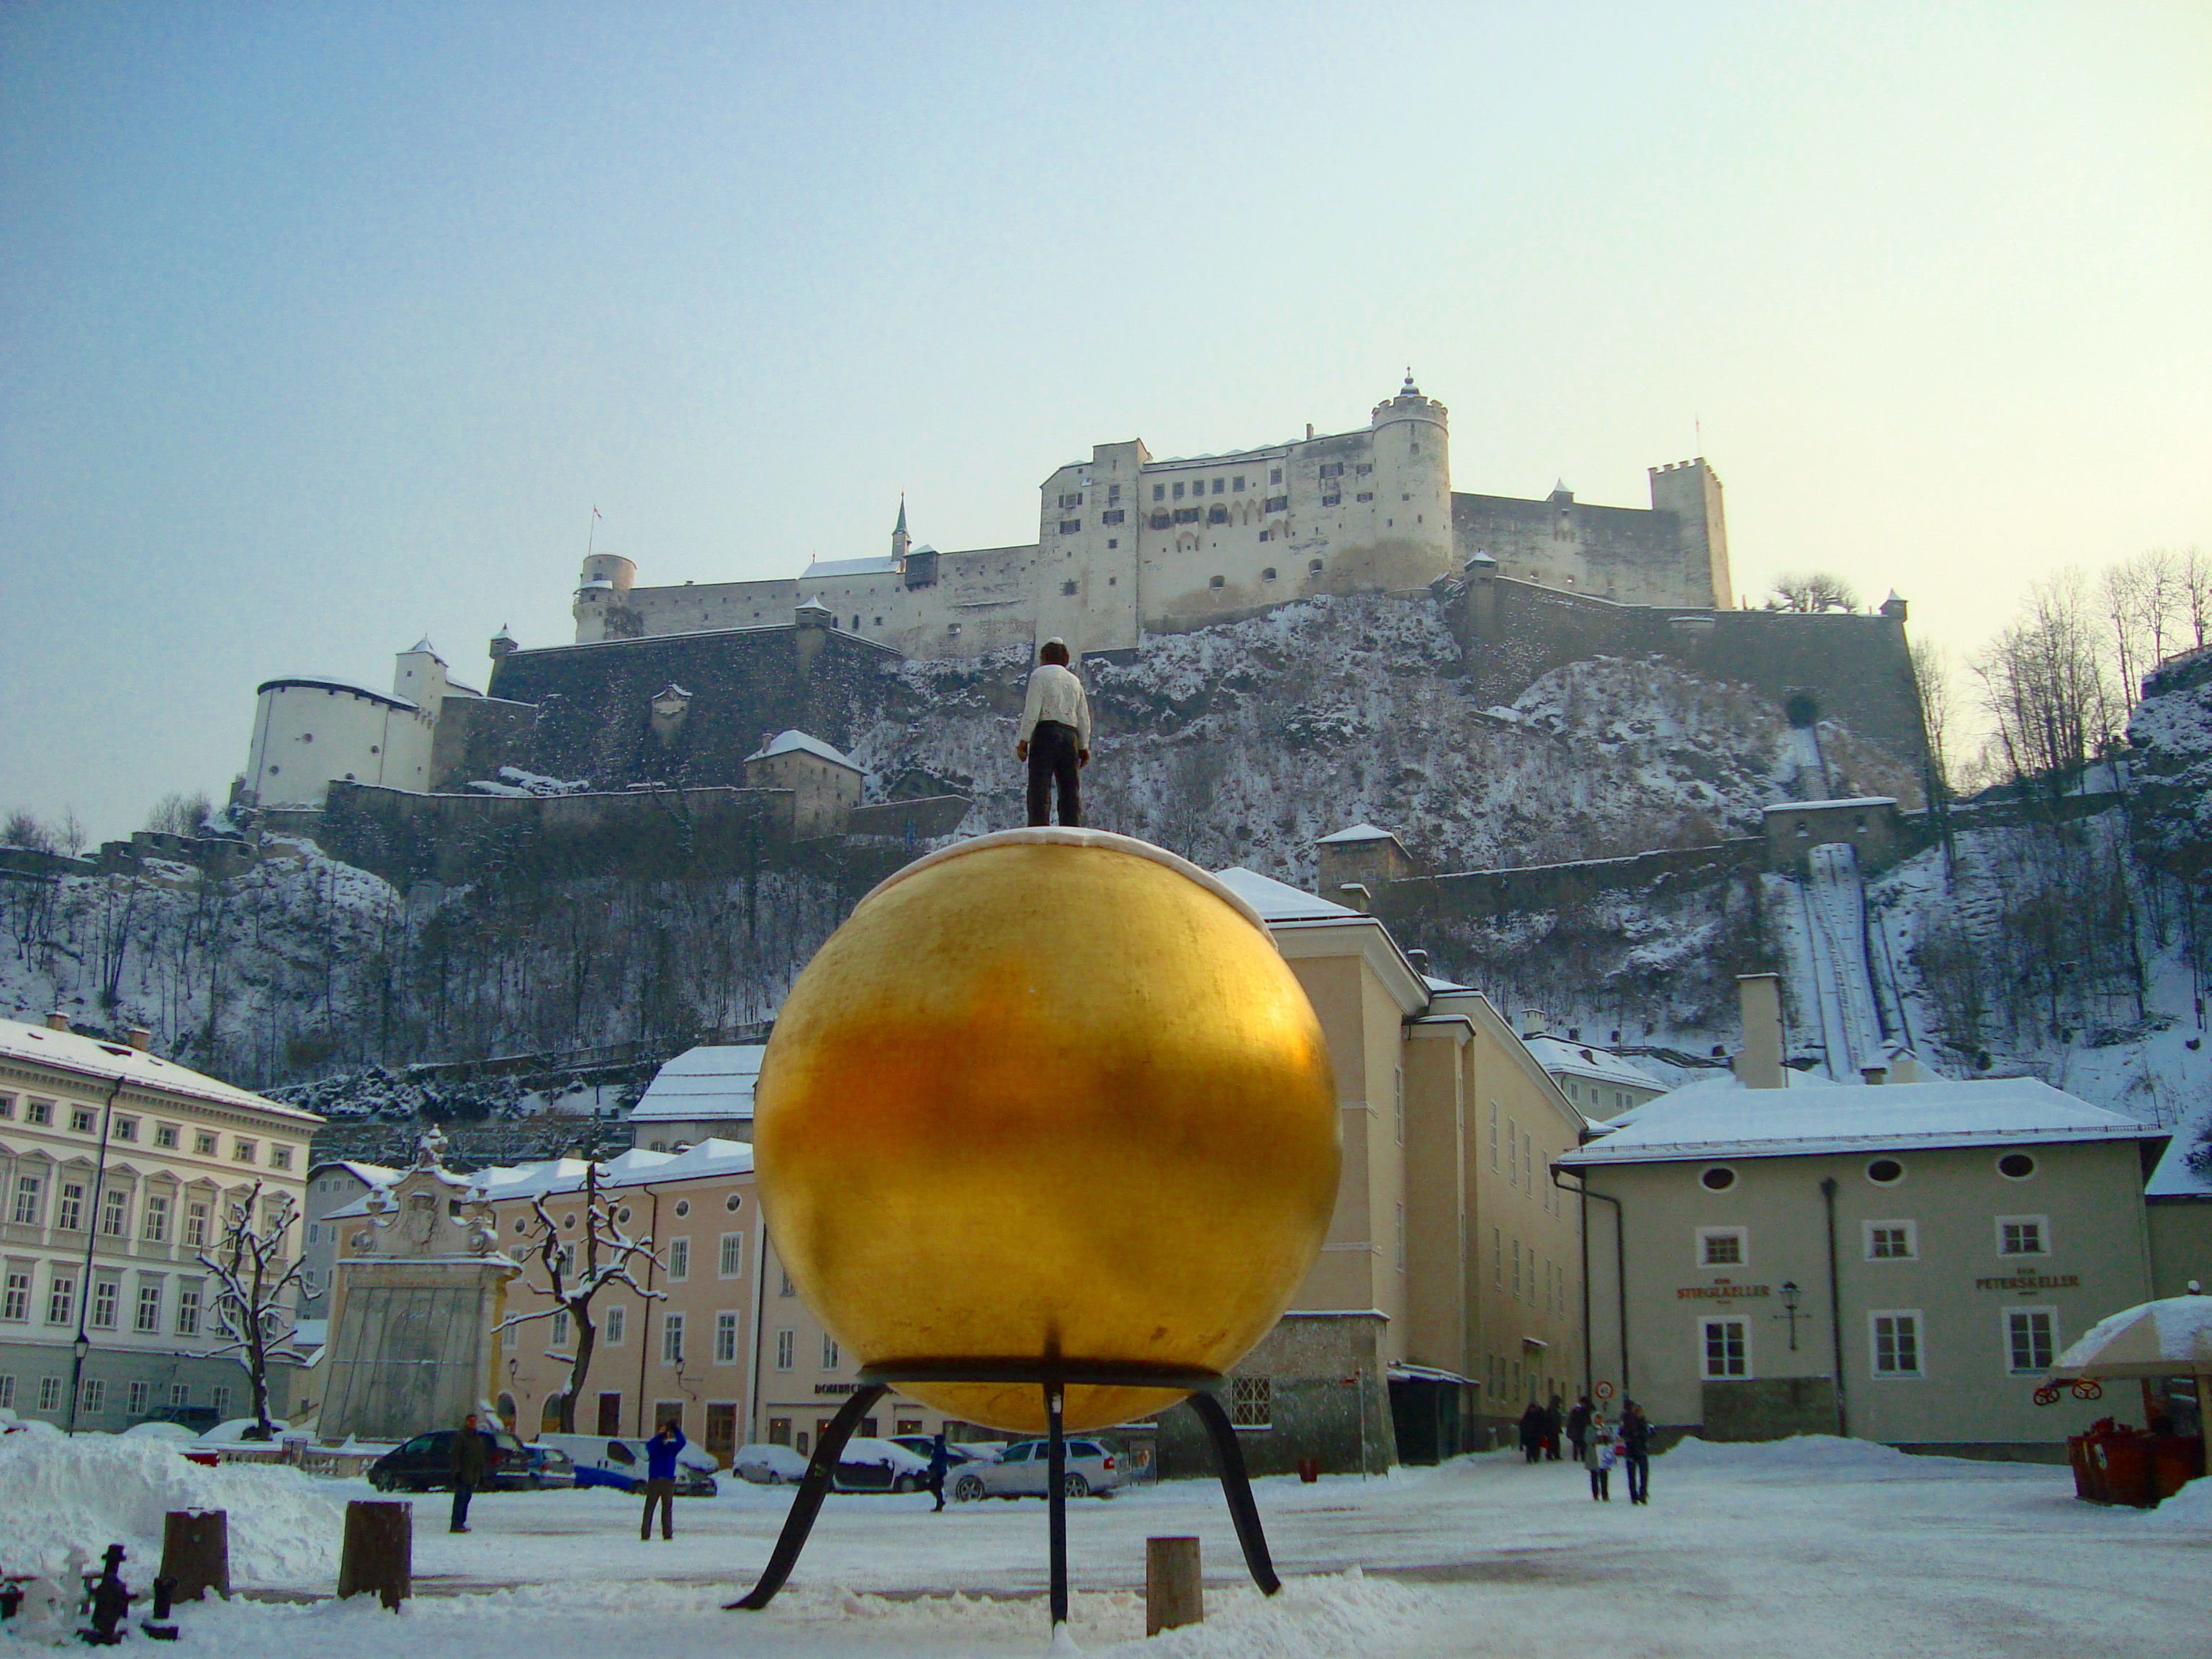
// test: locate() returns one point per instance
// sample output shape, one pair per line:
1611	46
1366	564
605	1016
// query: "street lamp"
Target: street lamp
1789	1310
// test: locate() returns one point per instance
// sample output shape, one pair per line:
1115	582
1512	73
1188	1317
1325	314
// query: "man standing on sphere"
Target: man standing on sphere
1056	737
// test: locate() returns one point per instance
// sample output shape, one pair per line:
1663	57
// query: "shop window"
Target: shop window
1252	1401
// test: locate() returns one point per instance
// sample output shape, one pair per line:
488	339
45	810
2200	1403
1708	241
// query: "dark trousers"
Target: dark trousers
1639	1477
464	1490
662	1493
1054	759
1601	1485
1575	1445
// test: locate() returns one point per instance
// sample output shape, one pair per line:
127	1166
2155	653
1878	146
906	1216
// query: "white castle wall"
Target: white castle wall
308	732
1126	544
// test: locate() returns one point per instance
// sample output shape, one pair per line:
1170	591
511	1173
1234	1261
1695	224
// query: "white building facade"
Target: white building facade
309	731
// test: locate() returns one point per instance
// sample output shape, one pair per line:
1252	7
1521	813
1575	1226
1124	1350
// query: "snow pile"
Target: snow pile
1800	1453
56	1492
2190	1508
1314	1618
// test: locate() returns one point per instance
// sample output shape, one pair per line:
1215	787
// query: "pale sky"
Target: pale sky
324	327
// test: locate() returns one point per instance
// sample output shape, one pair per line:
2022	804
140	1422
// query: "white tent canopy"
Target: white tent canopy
2172	1337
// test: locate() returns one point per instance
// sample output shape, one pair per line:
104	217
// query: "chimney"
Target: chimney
140	1038
1357	895
1420	961
1757	1065
1532	1022
58	1021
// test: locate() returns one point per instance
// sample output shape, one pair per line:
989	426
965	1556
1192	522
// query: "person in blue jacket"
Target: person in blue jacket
939	1461
661	1480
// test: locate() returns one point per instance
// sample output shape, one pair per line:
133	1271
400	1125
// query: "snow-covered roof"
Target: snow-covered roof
1558	1053
1276	901
1446	988
423	647
1358	832
1719	1117
710	1158
795	742
107	1061
2173	1178
702	1083
369	1174
883	566
1862	802
331	683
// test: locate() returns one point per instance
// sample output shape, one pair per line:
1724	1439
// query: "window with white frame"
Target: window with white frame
188	1307
8	1393
726	1339
196	1224
732	1263
220	1399
1398	1099
1513	1150
1252	1401
1498	1258
787	1350
679	1260
154	1226
1493	1135
510	1336
50	1394
2023	1235
1723	1247
69	1214
789	1289
180	1393
1401	1238
1895	1341
1892	1240
148	1319
1516	1270
830	1356
556	1335
1727	1344
671	1339
61	1297
2031	1340
92	1396
15	1298
29	1189
140	1394
115	1212
617	1324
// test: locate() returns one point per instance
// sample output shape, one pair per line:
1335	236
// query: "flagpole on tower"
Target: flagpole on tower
591	536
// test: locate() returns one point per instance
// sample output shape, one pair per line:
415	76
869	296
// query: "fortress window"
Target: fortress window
1332	499
1313	567
1162	521
1069	526
1178	492
1334	469
306	737
1275	476
1068	590
1268	575
1237	484
1364	495
1186	515
1159	492
1217	515
1213	581
878	621
1112	493
1218	485
272	771
952	628
1112	515
1111	544
1266	535
1362	469
1276	504
374	750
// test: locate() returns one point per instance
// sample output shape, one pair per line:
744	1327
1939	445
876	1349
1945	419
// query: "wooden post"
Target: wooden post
195	1552
378	1556
1173	1594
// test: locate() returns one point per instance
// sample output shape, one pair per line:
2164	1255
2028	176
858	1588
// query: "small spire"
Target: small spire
900	528
1409	390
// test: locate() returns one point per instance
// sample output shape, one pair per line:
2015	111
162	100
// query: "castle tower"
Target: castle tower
1690	490
602	591
900	540
1412	474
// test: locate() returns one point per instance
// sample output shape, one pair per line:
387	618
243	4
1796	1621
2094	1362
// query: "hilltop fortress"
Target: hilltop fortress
1128	545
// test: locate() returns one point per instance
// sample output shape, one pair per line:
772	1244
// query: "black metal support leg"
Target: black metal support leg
812	1489
1056	1501
1236	1487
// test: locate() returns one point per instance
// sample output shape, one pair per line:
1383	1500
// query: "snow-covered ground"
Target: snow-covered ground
1806	1548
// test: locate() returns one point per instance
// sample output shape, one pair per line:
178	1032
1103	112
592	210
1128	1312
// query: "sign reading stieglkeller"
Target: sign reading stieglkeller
2031	1282
1722	1291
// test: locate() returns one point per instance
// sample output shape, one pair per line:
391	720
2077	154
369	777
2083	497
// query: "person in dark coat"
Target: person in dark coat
1636	1451
1553	1419
661	1480
1532	1432
939	1461
471	1462
1578	1421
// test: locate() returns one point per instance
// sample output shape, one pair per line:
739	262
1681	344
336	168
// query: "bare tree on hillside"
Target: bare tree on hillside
252	1282
2193	574
571	1284
24	827
1939	705
179	813
2046	686
1816	589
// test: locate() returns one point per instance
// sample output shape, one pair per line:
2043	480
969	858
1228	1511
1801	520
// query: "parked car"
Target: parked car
880	1465
610	1461
957	1452
769	1466
1094	1469
426	1464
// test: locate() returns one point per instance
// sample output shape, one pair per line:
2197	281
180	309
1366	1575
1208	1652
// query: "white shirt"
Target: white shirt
1056	695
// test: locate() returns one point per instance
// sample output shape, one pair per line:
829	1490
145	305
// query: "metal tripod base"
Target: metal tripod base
822	1471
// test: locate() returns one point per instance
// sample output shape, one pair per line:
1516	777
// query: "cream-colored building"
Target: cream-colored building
117	1169
1898	1263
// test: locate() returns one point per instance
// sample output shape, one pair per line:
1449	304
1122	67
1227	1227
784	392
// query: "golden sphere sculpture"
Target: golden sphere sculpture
1048	1097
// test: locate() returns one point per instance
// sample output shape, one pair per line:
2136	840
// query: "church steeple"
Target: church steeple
900	540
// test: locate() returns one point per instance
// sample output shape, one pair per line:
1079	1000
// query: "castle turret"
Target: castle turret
1412	476
900	542
1690	490
602	591
503	646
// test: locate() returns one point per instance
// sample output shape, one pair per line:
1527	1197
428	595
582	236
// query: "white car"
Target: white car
769	1466
603	1461
1093	1470
880	1465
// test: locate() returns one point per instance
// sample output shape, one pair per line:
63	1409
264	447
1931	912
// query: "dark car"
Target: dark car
426	1464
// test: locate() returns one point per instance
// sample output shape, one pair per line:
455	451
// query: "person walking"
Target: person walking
939	1461
470	1461
1055	737
1532	1432
661	1480
1599	1455
1554	1419
1578	1421
1636	1451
